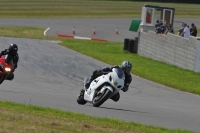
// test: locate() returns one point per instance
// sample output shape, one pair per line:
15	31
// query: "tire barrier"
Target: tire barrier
126	41
131	45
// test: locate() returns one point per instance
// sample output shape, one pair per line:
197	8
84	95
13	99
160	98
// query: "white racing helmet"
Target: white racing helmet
126	66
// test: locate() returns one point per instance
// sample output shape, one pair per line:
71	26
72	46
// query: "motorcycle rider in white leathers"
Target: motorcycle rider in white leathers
126	67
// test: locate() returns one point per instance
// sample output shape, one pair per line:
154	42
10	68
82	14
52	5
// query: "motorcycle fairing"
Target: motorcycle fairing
5	61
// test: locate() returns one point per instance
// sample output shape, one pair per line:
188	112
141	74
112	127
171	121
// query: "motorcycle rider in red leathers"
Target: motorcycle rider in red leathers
12	50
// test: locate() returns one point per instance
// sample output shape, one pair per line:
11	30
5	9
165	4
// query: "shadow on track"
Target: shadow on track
118	109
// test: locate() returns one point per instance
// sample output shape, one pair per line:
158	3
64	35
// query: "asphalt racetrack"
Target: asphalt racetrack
50	75
105	28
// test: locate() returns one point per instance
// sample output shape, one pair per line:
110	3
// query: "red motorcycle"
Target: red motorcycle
6	67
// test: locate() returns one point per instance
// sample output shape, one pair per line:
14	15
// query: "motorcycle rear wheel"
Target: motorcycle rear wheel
102	99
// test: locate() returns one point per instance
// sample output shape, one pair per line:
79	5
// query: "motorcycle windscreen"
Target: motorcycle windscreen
119	72
8	59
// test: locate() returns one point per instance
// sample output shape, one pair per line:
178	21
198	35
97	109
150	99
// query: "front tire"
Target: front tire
102	99
1	77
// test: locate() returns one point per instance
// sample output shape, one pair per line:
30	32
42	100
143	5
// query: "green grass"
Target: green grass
24	32
112	53
19	118
21	32
85	8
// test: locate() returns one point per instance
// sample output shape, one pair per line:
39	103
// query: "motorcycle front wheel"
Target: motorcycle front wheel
100	99
1	77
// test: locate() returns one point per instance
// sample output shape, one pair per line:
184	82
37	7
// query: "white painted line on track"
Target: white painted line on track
85	38
46	31
55	41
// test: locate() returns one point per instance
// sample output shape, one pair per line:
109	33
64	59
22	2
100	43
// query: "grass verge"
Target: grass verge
86	8
19	118
24	32
112	53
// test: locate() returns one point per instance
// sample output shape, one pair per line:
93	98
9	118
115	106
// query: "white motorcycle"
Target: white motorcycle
102	88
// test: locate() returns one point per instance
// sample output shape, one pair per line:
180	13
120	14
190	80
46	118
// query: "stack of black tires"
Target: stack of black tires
131	45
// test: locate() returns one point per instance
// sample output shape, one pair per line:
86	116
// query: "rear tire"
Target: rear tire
97	103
